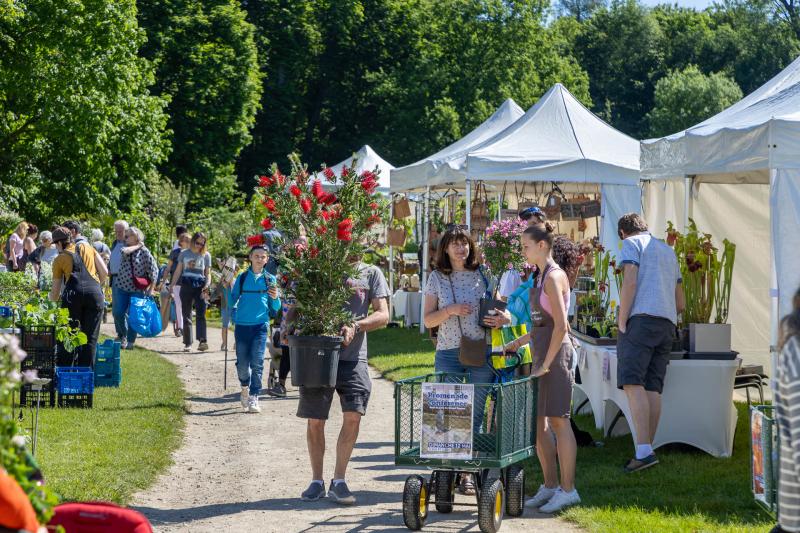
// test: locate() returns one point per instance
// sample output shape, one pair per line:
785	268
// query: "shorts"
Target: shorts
643	352
353	385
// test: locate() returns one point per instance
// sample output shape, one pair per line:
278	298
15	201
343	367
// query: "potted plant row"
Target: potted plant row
596	310
325	230
707	274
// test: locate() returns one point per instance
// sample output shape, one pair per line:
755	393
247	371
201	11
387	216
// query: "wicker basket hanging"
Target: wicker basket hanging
401	209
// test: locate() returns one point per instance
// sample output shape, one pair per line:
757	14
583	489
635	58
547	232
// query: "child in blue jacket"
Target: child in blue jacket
254	300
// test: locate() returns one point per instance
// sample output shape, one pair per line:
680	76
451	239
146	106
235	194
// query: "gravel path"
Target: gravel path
244	472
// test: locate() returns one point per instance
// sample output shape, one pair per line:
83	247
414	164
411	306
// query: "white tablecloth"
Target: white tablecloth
697	401
407	305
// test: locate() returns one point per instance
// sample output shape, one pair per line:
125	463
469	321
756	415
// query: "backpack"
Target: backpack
240	283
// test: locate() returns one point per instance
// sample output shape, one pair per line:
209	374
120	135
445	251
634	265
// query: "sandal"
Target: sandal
466	486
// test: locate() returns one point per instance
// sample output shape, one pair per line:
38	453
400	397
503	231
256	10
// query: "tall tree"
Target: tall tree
686	97
580	10
407	76
206	62
79	131
621	49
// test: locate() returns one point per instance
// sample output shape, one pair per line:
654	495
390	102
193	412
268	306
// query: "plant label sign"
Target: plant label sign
446	421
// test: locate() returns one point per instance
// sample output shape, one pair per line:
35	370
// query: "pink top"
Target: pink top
15	245
544	301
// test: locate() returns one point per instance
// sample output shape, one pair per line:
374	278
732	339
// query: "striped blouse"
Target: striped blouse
787	404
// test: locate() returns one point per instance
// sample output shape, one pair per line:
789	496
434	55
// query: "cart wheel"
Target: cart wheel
415	502
445	487
490	506
515	490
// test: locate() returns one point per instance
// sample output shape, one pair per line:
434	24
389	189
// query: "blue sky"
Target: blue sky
697	4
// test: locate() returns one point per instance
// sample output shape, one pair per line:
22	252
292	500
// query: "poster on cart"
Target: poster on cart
446	421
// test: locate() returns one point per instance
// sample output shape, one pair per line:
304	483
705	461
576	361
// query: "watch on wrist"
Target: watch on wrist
356	328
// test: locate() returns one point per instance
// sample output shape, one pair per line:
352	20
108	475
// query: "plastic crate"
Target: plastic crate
41	360
75	380
38	337
107	380
83	401
46	396
109	349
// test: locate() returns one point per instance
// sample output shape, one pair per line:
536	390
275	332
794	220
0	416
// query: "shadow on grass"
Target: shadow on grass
688	490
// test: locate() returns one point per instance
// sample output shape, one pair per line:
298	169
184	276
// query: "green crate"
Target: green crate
507	432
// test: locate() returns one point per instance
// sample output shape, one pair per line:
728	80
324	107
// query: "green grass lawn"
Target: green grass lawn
122	444
688	491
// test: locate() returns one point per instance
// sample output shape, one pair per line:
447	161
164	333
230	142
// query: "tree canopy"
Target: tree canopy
79	130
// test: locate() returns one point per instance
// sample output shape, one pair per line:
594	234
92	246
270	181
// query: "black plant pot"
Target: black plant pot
314	360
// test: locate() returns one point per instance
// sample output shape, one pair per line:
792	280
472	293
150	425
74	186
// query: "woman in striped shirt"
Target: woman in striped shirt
787	403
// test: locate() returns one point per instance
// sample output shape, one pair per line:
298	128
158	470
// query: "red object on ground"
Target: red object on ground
16	511
99	517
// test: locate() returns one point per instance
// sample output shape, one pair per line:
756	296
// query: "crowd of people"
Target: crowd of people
651	299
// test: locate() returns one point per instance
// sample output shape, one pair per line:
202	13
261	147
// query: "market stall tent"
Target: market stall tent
366	159
738	175
559	140
447	166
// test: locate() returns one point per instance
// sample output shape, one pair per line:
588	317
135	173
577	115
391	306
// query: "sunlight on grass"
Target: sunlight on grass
118	447
689	491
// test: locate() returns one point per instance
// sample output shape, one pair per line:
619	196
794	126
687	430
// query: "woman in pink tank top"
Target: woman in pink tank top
552	365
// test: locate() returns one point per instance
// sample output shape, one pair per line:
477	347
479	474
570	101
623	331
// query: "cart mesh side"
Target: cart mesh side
504	421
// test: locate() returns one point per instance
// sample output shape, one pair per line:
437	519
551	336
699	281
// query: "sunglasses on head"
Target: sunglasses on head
456	227
526	214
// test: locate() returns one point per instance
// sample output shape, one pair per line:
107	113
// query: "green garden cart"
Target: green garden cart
503	436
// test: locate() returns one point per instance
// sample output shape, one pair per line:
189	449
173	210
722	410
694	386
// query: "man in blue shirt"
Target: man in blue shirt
254	300
650	299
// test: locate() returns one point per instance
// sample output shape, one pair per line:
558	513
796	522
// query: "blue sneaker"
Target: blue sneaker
314	492
340	493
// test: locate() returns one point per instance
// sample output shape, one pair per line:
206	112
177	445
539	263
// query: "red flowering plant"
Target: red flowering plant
324	226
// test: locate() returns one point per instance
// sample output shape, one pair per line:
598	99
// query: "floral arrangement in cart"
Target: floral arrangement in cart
501	248
325	227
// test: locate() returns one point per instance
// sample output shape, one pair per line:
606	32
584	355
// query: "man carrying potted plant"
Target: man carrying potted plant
650	300
353	385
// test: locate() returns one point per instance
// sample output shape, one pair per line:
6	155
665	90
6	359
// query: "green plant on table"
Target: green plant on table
14	457
706	277
42	312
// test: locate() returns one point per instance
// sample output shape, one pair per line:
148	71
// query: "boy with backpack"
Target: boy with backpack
254	300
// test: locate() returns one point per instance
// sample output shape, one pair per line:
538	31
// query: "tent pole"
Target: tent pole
425	260
687	201
391	259
499	206
469	206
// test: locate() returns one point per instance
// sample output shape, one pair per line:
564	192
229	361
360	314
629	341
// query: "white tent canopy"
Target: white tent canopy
747	156
559	140
448	165
367	159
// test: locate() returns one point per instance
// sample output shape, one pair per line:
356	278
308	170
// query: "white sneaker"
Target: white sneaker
560	500
252	405
245	396
541	497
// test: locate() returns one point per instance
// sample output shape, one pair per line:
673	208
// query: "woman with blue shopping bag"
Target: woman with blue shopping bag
254	300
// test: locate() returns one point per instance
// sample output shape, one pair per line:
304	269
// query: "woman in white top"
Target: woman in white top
452	302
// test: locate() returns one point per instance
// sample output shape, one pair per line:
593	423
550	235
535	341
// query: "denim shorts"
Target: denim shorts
353	385
225	314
